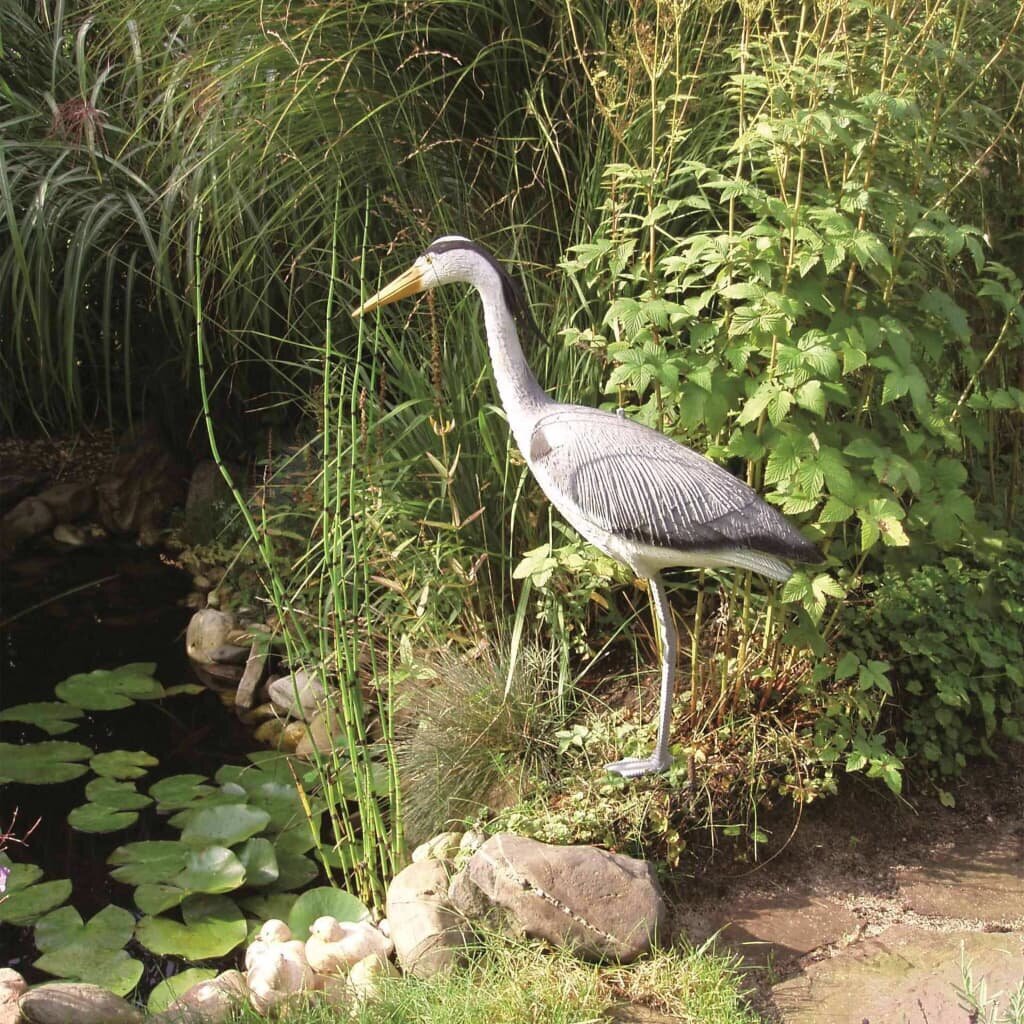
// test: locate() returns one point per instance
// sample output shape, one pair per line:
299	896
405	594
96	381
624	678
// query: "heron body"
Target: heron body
634	493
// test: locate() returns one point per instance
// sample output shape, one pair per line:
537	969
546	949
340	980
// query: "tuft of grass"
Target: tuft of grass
512	982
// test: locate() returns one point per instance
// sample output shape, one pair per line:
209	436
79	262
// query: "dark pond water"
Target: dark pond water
126	606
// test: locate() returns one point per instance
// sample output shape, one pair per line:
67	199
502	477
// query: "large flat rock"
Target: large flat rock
978	879
904	976
775	929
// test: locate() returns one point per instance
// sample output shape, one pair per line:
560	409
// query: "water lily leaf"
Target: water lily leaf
190	688
53	717
148	861
109	689
274	905
98	818
216	798
299	839
213	869
224	826
294	872
324	901
260	863
121	796
176	986
123	764
90	952
213	926
157	897
178	791
24	903
38	763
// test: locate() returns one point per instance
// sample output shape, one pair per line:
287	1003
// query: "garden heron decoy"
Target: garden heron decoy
634	493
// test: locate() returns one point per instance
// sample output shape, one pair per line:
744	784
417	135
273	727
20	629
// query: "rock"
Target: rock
69	501
29	518
17	485
324	728
144	483
70	535
429	935
292	734
442	847
298	694
64	1002
12	985
269	732
776	929
229	654
601	905
209	501
255	670
980	879
209	1002
207	630
905	974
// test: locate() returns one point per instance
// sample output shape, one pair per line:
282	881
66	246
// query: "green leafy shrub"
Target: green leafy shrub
953	635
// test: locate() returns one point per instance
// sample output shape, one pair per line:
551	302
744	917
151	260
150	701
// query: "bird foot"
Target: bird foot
634	767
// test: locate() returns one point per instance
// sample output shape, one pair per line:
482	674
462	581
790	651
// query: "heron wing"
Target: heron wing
637	484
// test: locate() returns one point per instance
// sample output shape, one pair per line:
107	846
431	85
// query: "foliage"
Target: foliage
25	897
951	632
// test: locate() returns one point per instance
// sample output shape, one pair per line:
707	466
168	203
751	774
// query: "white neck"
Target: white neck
521	396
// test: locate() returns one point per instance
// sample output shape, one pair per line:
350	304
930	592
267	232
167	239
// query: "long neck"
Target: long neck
521	395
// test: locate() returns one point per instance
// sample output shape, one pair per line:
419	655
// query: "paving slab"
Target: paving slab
780	927
906	975
979	878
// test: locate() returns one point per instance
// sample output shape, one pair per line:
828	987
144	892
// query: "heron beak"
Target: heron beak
407	284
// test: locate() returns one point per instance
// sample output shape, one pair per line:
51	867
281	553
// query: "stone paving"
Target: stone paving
875	927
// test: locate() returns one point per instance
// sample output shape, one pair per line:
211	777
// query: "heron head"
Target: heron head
448	259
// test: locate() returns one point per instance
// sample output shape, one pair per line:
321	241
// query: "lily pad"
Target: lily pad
214	869
179	791
121	796
260	862
213	926
274	905
324	901
53	717
224	826
191	688
110	689
26	898
155	898
176	986
38	763
123	764
148	861
99	819
294	872
90	952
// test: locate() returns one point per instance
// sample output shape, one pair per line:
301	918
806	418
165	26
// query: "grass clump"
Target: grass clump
514	982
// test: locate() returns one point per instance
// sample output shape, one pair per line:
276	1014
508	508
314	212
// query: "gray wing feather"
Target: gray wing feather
639	484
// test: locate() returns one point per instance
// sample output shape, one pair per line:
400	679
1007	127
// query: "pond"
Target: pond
69	612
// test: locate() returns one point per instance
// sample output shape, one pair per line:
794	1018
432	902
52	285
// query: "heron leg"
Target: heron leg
660	759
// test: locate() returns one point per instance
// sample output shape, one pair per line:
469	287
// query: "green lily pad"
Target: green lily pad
274	905
110	689
294	872
53	717
179	791
38	763
174	691
123	764
26	898
299	839
157	897
99	819
260	862
213	926
224	826
148	861
324	901
213	869
90	952
120	796
176	986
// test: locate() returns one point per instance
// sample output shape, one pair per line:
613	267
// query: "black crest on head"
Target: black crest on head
511	289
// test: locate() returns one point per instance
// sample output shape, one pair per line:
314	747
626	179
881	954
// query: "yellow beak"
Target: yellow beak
409	283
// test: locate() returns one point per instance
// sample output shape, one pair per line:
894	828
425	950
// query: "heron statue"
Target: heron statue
634	493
